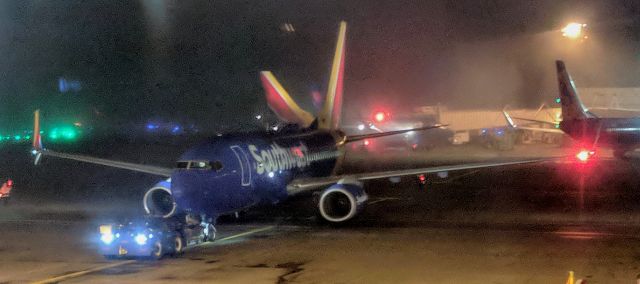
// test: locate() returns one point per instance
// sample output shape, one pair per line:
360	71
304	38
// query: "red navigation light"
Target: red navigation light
10	183
584	155
380	116
366	142
422	178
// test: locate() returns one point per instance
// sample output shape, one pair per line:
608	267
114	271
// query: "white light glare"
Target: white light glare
361	126
573	30
141	239
584	155
106	238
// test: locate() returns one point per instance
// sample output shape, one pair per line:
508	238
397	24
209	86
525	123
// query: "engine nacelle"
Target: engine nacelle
342	201
158	200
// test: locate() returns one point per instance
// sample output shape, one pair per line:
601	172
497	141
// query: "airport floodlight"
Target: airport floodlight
574	31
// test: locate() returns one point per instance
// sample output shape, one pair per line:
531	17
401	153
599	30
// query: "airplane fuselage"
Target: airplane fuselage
230	173
617	133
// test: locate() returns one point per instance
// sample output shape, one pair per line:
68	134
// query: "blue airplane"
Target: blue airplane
622	134
237	171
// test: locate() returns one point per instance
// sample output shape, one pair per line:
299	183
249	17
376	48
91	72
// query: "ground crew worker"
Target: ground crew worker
5	191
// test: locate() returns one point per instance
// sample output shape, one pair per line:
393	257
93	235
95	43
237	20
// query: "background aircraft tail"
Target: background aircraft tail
281	102
572	107
37	138
329	117
288	110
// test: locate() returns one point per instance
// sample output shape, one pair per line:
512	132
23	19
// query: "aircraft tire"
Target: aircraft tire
210	235
157	251
178	245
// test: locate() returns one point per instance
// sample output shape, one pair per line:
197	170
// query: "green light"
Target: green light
17	137
53	134
68	134
63	132
557	100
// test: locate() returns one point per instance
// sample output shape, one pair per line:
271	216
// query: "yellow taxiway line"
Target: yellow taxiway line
246	233
84	272
121	263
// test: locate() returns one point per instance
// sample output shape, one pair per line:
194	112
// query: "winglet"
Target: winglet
37	138
281	102
572	107
509	120
329	117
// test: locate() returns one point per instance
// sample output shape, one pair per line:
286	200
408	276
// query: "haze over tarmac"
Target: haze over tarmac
198	61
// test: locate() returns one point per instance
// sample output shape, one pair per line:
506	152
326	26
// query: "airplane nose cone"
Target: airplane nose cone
187	191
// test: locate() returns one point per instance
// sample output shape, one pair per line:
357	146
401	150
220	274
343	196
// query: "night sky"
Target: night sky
198	61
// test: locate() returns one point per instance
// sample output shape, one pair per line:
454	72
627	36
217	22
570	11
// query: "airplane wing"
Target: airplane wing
39	151
354	138
615	109
310	184
154	170
535	120
540	129
512	124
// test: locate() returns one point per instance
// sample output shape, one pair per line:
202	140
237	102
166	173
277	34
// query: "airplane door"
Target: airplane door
245	167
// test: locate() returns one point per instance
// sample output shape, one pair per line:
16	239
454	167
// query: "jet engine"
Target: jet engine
158	200
342	201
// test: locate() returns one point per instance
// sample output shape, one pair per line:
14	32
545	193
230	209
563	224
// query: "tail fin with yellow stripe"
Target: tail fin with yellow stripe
329	117
288	110
281	102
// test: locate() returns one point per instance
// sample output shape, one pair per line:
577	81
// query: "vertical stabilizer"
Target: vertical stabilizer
37	139
572	107
329	117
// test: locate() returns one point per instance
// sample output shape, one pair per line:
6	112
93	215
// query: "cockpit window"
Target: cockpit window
216	165
200	165
182	165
